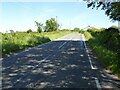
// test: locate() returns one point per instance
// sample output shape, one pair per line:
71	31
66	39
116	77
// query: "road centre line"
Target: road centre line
40	63
65	42
89	58
62	45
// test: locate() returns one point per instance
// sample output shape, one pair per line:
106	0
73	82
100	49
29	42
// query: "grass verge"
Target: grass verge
109	58
14	42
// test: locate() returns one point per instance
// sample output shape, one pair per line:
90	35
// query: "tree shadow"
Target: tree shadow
107	78
51	66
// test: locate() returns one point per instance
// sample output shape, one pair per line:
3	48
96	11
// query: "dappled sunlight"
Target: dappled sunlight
72	66
85	78
32	55
58	64
81	55
12	74
49	72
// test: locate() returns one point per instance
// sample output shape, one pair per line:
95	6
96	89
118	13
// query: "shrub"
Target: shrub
10	47
106	44
28	31
81	31
87	35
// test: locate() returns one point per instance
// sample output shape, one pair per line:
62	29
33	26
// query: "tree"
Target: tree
76	29
112	9
39	26
28	31
11	31
51	25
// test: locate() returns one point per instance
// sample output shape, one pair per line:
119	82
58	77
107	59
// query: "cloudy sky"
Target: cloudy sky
20	16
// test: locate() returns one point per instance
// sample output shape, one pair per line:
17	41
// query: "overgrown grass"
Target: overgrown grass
56	34
106	46
87	35
14	42
0	45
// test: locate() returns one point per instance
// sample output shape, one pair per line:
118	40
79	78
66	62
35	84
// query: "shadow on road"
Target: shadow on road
57	64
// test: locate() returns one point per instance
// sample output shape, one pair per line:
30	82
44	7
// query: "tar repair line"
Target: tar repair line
96	79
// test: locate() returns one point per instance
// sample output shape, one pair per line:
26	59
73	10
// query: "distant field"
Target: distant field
14	42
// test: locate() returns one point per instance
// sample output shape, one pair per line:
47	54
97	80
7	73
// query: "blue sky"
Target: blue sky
20	16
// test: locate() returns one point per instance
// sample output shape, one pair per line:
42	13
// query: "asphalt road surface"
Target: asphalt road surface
63	63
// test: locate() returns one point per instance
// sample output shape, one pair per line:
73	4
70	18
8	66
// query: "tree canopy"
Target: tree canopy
112	9
51	25
39	26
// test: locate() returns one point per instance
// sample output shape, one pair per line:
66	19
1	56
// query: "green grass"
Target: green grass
108	56
55	34
14	42
87	35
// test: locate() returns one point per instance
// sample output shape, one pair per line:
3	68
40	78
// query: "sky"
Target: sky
21	16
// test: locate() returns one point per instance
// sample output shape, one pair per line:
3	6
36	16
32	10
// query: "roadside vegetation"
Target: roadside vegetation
106	45
16	41
106	42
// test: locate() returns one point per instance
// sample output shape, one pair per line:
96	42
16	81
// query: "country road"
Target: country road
62	63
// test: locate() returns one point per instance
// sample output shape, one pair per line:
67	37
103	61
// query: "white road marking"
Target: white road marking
66	42
81	41
40	63
97	83
20	79
62	45
1	59
96	79
47	57
89	58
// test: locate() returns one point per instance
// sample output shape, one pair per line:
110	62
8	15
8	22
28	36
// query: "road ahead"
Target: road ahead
63	63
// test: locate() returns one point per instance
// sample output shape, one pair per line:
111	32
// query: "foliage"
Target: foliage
108	57
114	27
105	44
36	40
39	27
109	38
21	40
51	25
87	35
30	30
112	9
76	29
82	31
9	47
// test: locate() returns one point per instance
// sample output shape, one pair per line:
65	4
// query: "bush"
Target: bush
13	42
76	29
39	29
28	31
87	35
81	31
109	58
10	47
106	44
